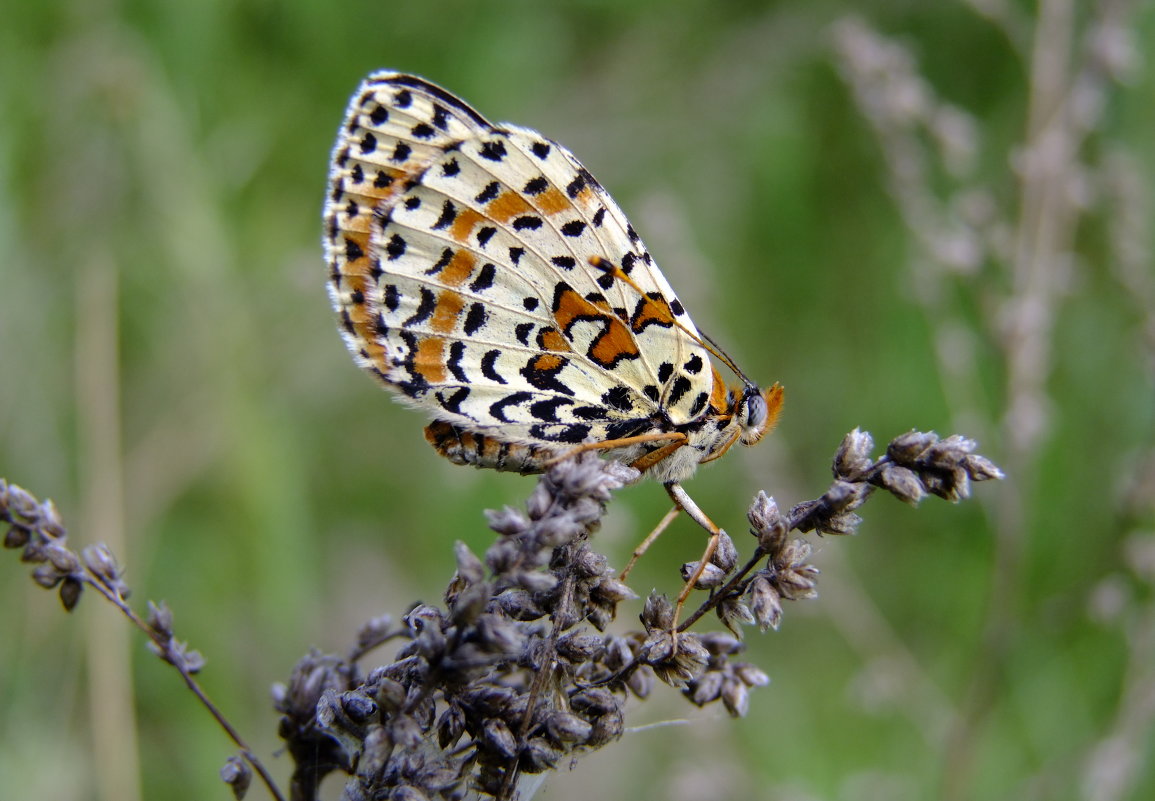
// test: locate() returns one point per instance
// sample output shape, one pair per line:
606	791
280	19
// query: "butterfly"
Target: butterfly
482	274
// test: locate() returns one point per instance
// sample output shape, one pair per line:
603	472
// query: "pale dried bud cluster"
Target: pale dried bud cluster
36	528
516	674
506	679
916	464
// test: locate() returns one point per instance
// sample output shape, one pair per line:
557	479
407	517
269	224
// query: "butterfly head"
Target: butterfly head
756	412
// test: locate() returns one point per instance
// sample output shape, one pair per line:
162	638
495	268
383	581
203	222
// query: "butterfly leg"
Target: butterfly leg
685	502
649	540
679	439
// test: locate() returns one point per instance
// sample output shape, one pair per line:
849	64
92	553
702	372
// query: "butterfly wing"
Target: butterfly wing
459	255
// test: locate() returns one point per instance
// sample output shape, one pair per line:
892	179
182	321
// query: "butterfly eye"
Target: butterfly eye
754	410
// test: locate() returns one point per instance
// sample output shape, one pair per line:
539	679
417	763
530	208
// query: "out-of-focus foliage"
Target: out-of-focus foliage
172	375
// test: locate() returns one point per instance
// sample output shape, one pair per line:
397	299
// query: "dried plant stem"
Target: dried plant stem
112	725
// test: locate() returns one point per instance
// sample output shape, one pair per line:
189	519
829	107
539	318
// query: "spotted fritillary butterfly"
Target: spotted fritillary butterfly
483	274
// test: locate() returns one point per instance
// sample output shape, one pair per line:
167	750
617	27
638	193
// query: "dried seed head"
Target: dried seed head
539	502
577	647
659	646
375	751
594	701
374	631
450	726
508	521
736	698
536	582
906	448
22	505
590	564
733	612
798	583
64	560
980	468
658	613
903	483
706	689
712	575
46	576
102	564
845	496
641	681
539	755
840	525
765	603
237	774
469	567
358	706
750	675
567	729
726	553
16	537
853	456
612	591
70	590
796	552
50	523
497	736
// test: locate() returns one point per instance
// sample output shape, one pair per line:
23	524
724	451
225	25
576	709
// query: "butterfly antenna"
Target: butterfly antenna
702	338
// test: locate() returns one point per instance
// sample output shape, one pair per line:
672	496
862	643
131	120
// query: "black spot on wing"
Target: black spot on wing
448	215
560	433
441	263
395	248
391	297
456	353
493	150
487	366
627	428
424	308
476	318
401	152
484	279
497	409
379	116
678	390
451	402
491	191
546	378
699	404
546	410
618	398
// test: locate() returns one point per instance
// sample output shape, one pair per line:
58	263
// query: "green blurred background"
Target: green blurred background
173	378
